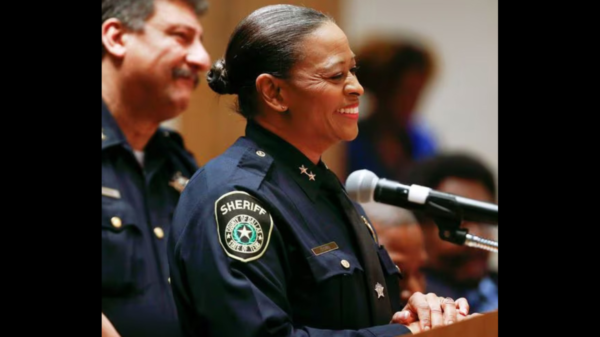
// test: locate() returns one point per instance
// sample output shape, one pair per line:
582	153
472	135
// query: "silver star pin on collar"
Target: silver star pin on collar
379	290
303	169
311	176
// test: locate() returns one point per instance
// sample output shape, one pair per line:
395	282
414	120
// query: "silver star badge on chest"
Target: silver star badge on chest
379	290
178	182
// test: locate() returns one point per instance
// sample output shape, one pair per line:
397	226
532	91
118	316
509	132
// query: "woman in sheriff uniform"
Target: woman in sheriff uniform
265	242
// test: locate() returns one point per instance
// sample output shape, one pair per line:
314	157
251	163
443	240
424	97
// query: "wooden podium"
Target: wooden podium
485	325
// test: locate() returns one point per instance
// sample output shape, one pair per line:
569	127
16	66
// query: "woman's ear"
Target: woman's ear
269	89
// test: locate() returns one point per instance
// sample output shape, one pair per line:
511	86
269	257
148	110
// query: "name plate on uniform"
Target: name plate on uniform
111	192
325	248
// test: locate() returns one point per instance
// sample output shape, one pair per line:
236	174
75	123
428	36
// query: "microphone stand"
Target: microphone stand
449	230
447	215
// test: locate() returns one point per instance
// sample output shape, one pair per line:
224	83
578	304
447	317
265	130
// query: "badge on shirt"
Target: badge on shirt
178	182
322	249
379	290
111	192
243	225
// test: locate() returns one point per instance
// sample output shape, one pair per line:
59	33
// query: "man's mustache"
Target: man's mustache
186	73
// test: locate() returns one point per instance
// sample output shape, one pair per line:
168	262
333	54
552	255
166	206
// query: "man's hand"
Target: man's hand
108	330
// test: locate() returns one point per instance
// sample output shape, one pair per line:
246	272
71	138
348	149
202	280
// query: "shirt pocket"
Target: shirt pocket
338	277
123	262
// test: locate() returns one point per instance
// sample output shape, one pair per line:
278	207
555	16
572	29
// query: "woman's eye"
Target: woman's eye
338	76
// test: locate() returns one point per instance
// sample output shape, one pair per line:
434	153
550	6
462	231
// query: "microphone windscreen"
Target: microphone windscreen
360	185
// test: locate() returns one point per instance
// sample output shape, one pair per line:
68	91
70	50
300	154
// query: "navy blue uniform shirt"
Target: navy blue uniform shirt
259	248
137	209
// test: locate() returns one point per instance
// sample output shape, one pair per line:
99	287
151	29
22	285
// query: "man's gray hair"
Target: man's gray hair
134	13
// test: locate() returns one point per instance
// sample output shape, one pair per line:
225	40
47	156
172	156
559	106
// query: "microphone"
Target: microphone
364	186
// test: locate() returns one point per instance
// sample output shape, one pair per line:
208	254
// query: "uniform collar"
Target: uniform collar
111	133
306	174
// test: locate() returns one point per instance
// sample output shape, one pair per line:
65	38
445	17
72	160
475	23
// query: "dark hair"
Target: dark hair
133	13
432	171
265	42
384	61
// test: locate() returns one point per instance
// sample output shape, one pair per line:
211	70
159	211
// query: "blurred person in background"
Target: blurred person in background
395	73
456	270
398	231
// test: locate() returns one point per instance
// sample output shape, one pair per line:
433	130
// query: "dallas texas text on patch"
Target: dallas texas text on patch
243	225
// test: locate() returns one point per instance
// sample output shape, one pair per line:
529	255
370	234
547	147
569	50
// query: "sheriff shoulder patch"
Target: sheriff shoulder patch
243	225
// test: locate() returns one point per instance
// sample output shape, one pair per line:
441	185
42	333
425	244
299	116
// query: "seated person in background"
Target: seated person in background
453	270
399	232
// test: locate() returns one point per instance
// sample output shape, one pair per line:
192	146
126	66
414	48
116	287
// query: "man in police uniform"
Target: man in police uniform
151	59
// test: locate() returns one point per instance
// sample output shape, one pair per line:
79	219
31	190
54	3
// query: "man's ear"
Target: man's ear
113	38
269	89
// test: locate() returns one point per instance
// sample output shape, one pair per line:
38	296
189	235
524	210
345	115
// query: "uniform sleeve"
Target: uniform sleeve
229	273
